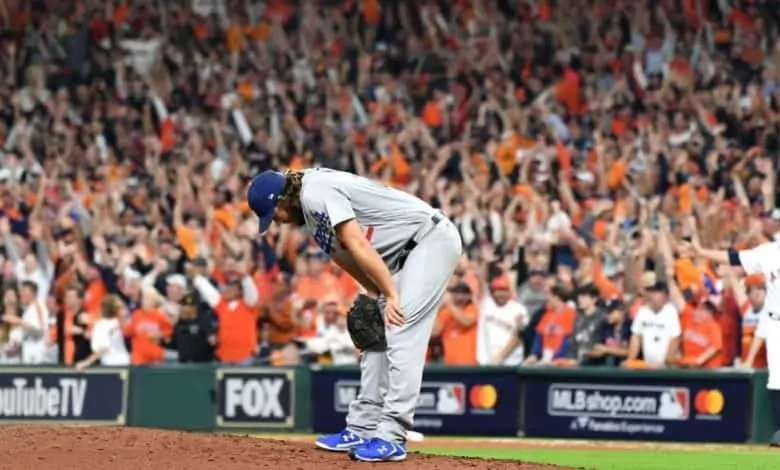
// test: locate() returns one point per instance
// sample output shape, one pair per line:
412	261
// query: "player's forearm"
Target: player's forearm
369	261
359	276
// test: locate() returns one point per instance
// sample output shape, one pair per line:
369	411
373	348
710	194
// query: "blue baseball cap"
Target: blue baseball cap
263	194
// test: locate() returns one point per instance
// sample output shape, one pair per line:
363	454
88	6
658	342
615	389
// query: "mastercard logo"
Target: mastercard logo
709	402
483	397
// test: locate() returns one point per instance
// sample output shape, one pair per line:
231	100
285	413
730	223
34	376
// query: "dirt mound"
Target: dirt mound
62	448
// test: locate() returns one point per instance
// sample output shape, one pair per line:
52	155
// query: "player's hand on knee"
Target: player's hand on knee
393	314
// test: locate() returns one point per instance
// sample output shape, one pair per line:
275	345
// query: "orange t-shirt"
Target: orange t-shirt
281	329
569	90
233	38
186	238
372	11
607	288
460	342
94	295
237	331
505	154
144	329
698	337
224	216
315	288
264	281
431	114
555	327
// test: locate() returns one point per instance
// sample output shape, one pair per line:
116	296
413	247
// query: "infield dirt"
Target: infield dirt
63	448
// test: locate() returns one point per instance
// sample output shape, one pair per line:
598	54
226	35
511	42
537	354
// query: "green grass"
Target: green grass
750	458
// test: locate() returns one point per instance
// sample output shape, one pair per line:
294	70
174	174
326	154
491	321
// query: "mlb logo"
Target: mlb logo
674	404
451	399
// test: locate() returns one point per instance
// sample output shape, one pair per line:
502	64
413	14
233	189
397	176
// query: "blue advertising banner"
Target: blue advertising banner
255	398
620	408
97	396
450	403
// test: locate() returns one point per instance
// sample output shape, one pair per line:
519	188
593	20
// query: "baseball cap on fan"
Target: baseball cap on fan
263	194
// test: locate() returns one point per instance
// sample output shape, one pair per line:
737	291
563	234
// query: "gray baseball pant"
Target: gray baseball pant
390	381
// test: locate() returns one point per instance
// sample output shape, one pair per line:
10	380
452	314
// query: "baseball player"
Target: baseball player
402	252
763	259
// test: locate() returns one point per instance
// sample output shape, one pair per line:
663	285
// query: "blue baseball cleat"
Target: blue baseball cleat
378	450
340	442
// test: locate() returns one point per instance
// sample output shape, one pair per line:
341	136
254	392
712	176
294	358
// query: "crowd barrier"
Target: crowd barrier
657	405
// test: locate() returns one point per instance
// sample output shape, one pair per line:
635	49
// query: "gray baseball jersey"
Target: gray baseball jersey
390	381
388	217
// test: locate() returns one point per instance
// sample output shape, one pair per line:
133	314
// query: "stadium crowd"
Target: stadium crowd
575	144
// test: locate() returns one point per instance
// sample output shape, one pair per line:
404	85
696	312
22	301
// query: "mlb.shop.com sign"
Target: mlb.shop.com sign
686	410
255	397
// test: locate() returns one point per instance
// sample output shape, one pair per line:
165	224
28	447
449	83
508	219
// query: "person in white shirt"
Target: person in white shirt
33	325
35	266
10	336
501	319
108	339
332	335
656	329
763	259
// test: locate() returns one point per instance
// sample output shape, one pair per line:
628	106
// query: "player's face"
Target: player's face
289	214
282	216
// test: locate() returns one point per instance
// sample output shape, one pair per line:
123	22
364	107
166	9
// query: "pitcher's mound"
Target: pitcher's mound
62	448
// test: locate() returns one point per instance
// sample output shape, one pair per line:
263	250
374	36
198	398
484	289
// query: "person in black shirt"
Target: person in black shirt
587	326
193	334
612	349
79	328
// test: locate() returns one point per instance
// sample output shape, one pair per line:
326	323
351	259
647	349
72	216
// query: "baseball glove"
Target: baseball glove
365	325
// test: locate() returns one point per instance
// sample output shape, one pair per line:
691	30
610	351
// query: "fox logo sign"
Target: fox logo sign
259	399
256	397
